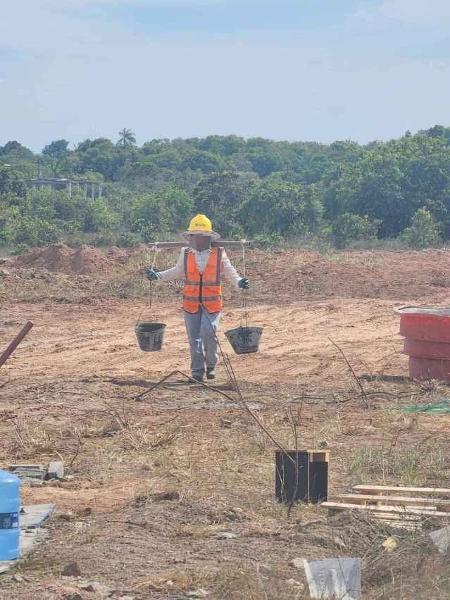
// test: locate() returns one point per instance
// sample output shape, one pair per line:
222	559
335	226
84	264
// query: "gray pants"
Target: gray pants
202	328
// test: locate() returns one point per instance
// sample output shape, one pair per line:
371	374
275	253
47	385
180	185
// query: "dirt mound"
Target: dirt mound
298	275
117	255
61	258
88	260
56	257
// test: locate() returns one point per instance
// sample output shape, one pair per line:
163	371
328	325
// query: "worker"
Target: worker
202	267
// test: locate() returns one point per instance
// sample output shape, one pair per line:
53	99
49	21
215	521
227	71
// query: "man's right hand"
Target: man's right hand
151	274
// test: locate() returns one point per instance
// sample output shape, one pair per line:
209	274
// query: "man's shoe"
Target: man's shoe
210	373
195	378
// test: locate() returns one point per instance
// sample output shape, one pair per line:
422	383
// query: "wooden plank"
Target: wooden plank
393	500
397	510
410	491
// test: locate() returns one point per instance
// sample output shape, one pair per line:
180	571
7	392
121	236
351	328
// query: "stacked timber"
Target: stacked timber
397	505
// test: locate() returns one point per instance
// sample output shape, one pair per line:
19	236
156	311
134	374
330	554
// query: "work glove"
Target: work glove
244	283
151	274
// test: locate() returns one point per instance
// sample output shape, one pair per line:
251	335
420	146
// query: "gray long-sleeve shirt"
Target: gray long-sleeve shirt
201	258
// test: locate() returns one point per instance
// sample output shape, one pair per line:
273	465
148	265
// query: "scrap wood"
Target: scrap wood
385	503
385	509
399	500
375	489
15	342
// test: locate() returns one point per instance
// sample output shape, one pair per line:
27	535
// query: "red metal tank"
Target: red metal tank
429	368
427	343
428	324
420	349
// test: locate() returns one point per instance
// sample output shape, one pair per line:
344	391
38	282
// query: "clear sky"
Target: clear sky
283	69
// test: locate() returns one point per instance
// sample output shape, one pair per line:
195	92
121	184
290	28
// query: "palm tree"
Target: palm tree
127	137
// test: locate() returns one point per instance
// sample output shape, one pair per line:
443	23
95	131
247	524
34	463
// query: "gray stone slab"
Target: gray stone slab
34	515
334	578
441	539
27	472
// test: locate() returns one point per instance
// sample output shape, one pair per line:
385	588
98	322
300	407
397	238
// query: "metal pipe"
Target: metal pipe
15	342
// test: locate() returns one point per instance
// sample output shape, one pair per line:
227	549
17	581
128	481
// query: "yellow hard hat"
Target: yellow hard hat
201	224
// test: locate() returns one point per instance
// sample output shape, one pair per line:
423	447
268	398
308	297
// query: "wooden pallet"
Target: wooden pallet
400	505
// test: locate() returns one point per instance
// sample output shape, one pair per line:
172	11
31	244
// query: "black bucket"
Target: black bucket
150	336
244	340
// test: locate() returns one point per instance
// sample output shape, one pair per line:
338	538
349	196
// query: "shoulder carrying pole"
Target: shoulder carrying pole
237	244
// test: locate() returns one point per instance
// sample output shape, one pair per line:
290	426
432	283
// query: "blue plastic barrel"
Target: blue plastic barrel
9	516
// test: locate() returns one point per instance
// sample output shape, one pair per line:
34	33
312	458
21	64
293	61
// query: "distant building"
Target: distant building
90	188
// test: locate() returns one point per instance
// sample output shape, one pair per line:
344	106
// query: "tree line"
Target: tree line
342	193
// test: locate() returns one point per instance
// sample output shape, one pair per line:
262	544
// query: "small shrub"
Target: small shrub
267	240
127	240
423	232
350	227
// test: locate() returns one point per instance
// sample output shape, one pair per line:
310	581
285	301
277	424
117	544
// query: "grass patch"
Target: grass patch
409	466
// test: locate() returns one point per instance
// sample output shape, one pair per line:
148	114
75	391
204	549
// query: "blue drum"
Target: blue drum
9	516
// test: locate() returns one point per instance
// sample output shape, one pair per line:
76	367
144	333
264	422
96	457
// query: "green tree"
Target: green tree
127	137
348	228
276	207
56	149
11	183
220	196
56	154
98	216
423	231
151	217
26	231
99	156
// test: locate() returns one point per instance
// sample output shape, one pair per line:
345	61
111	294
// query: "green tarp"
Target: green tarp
435	408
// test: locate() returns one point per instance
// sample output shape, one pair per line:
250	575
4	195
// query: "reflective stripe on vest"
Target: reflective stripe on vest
194	293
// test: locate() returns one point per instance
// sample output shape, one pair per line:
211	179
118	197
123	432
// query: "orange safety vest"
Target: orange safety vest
203	289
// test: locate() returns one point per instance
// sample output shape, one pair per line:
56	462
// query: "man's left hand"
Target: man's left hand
244	283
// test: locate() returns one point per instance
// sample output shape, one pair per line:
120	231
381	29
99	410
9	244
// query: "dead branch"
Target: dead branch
352	371
77	449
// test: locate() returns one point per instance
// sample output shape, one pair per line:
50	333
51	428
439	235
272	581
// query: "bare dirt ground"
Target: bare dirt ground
173	496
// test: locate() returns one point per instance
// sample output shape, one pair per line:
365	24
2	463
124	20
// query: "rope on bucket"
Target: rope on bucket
244	316
150	284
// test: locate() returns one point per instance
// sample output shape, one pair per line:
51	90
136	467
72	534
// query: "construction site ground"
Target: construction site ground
172	496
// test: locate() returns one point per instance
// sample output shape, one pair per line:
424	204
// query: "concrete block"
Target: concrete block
55	470
334	578
441	539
